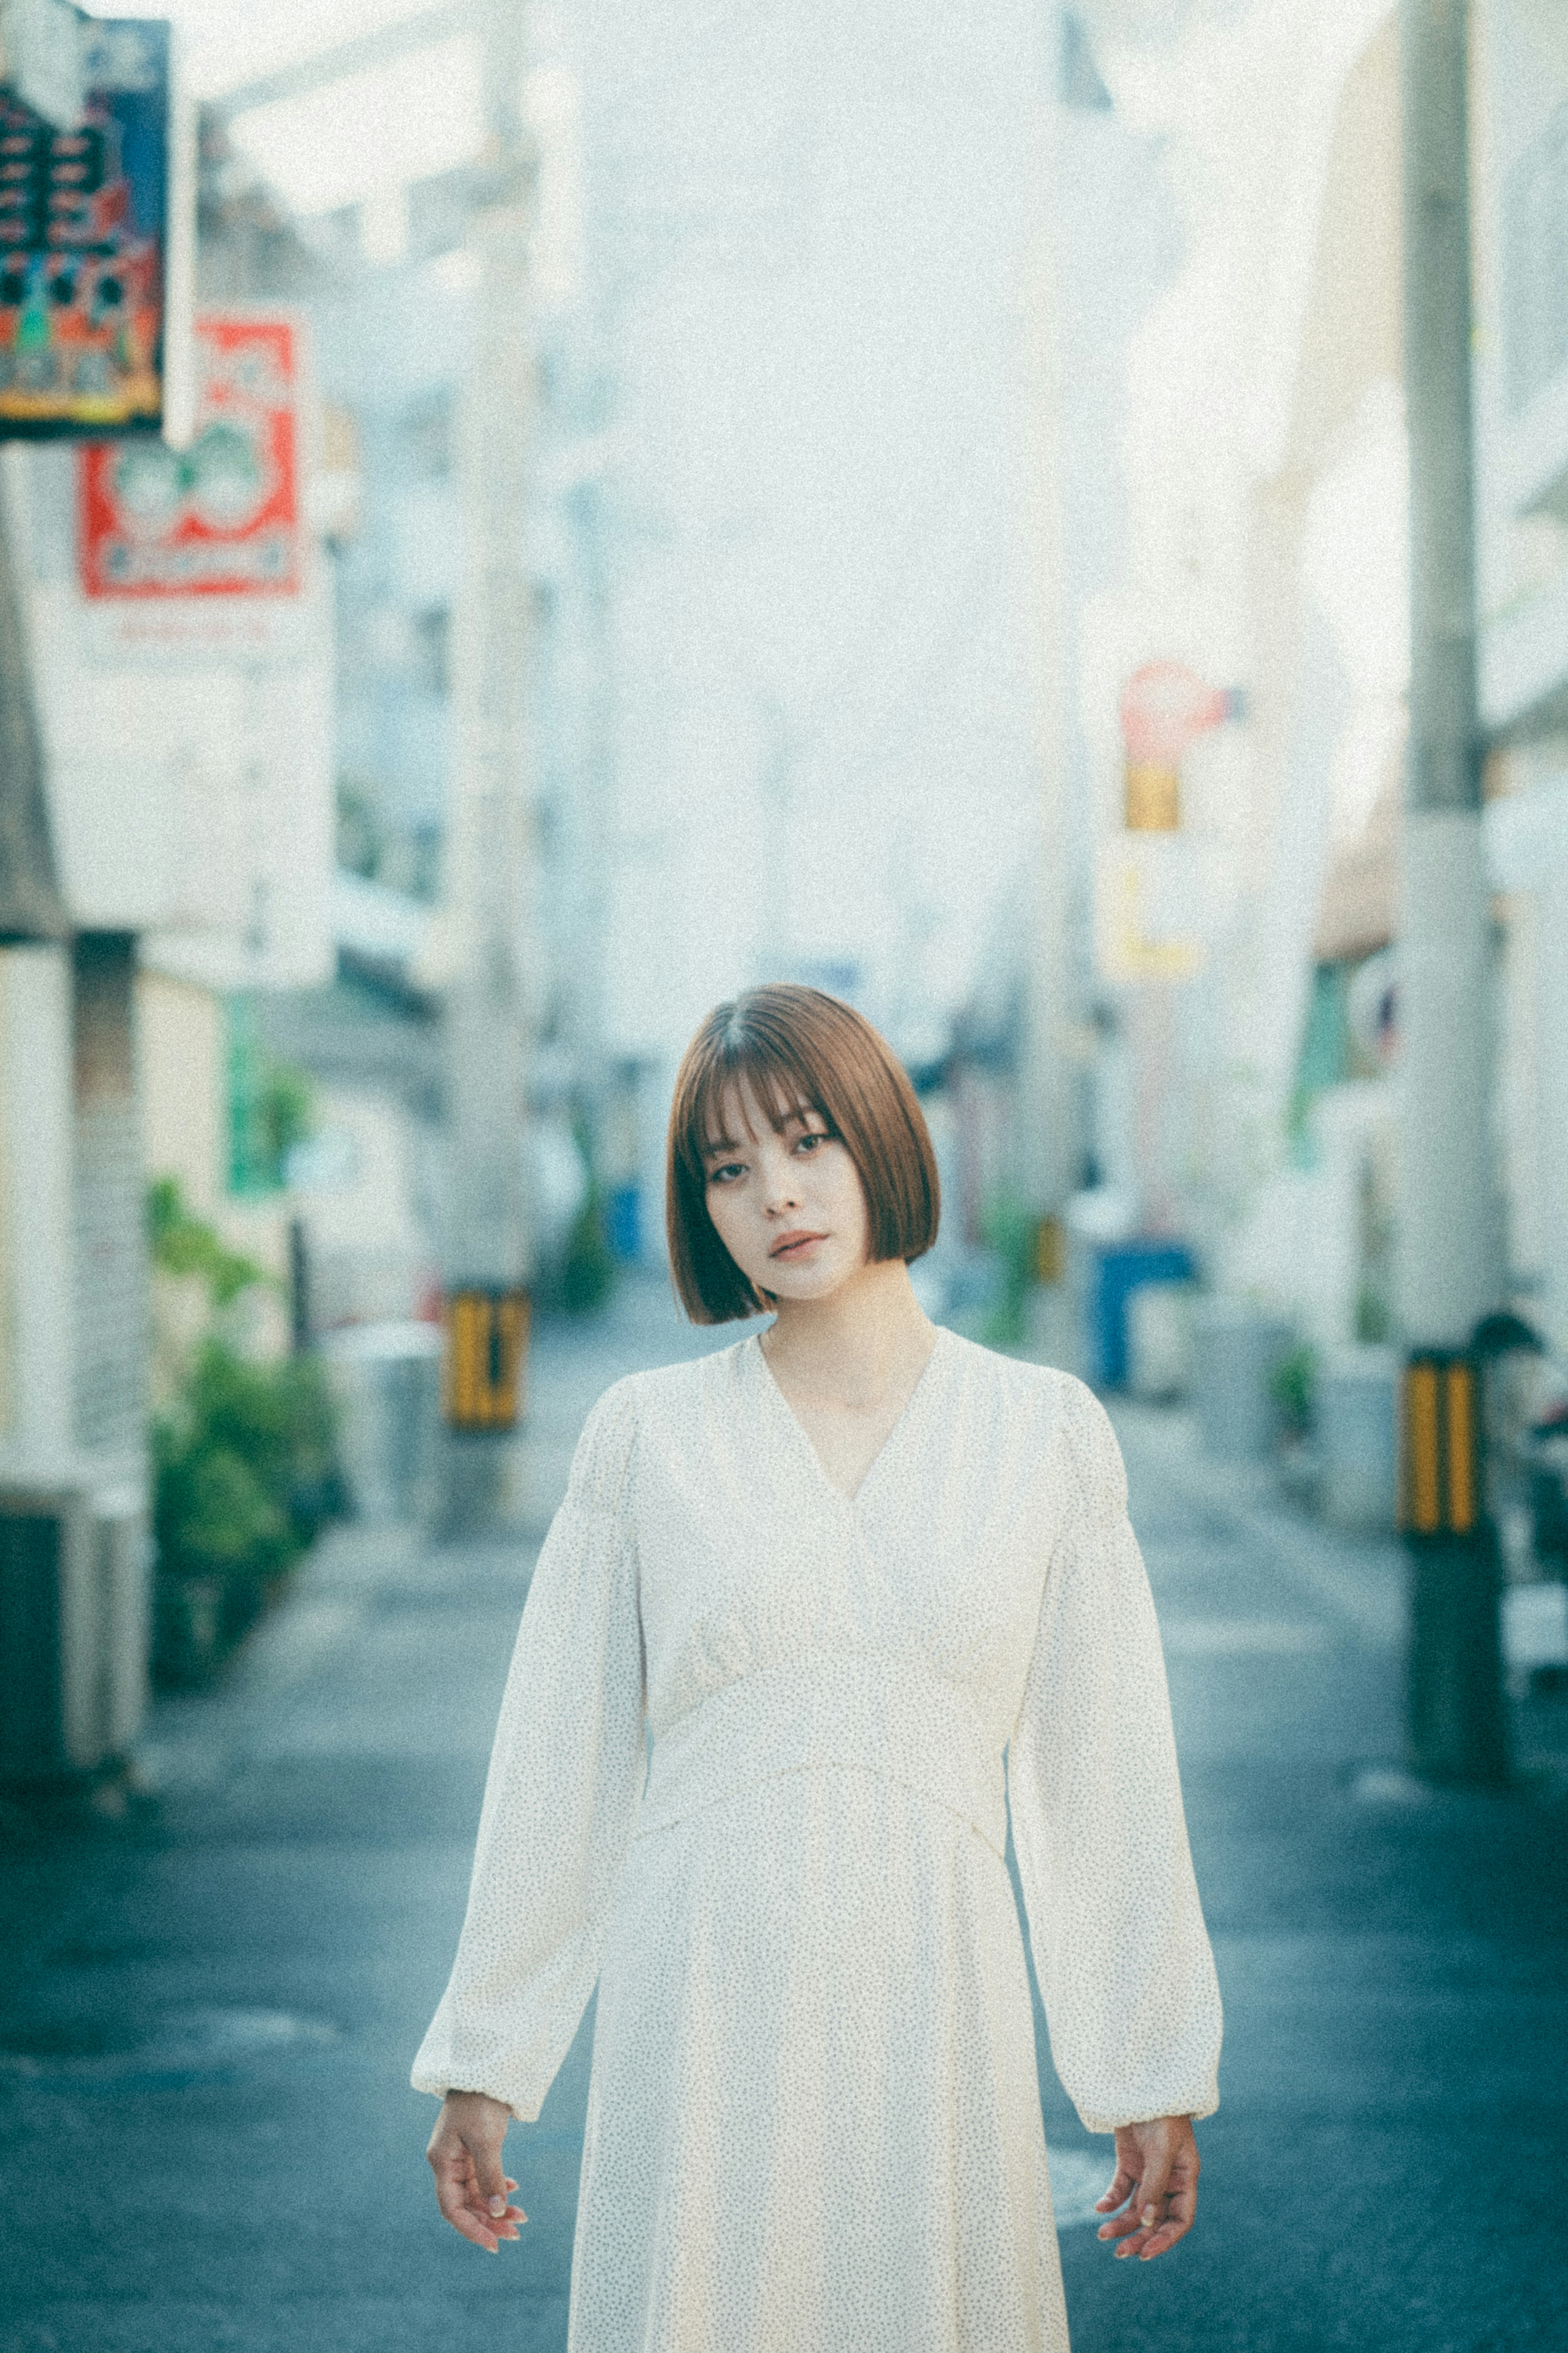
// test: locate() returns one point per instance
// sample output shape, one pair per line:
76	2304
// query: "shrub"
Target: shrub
244	1460
588	1273
1008	1232
183	1245
1294	1386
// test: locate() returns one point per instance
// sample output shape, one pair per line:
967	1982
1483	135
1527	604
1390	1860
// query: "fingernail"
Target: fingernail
1149	2217
498	2205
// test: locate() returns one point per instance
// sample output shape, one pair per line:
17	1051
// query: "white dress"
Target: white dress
814	2120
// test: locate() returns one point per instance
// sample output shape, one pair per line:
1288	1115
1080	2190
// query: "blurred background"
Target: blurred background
1050	522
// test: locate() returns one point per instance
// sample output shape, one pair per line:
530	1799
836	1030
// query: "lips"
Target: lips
787	1245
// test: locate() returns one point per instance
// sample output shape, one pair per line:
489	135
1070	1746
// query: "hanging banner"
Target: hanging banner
206	547
86	218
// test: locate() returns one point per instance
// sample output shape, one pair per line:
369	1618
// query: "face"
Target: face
787	1203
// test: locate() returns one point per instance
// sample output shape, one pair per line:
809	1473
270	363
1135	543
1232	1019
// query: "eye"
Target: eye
727	1174
809	1141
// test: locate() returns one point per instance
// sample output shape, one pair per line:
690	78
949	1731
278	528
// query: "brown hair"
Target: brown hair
797	1049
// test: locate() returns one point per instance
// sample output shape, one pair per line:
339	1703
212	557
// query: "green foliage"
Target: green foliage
244	1459
183	1245
270	1105
1323	1060
1007	1228
244	1465
588	1273
214	1516
1294	1388
284	1115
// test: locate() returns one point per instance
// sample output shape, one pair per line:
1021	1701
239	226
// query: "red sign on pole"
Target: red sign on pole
222	518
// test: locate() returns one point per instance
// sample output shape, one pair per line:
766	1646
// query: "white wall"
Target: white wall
38	1301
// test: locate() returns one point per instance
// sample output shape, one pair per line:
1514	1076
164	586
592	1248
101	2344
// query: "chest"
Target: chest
749	1551
844	1441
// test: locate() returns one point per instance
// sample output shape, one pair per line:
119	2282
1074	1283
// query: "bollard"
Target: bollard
1456	1724
487	1336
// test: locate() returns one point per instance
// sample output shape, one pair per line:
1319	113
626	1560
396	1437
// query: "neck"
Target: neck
863	1338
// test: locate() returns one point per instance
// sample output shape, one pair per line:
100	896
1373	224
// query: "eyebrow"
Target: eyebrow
719	1144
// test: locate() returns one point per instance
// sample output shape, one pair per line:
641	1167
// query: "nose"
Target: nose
781	1188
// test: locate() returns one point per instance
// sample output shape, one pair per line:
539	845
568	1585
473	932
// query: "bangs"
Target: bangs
778	1082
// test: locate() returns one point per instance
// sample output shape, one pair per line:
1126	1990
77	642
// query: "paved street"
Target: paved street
210	2004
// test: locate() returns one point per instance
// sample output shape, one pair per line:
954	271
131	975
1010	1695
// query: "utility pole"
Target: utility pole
488	1251
1048	1142
1449	1257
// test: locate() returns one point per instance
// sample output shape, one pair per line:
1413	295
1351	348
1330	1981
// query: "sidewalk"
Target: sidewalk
205	2135
1392	1960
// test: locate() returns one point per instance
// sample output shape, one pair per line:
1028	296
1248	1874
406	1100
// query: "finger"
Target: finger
494	2213
461	2200
1161	2241
1181	2213
488	2199
1150	2201
451	2197
503	2224
1180	2206
491	2181
1120	2191
1129	2201
1129	2234
1134	2246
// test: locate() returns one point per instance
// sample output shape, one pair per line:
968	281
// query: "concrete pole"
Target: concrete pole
1449	1262
488	1243
1048	1143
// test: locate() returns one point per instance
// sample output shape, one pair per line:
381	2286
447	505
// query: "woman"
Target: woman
843	1571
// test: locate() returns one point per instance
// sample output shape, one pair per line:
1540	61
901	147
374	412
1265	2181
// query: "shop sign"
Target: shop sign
205	547
87	217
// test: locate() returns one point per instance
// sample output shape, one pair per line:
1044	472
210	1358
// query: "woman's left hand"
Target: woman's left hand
1156	2187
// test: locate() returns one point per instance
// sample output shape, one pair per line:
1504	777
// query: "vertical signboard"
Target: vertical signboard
85	223
205	548
186	664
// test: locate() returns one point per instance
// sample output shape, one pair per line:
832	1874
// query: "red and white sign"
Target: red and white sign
205	546
1165	707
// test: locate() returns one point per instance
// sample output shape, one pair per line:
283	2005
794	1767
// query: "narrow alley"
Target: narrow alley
208	2140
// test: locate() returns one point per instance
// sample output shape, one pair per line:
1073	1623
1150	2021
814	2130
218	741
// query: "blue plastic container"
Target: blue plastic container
622	1222
1116	1270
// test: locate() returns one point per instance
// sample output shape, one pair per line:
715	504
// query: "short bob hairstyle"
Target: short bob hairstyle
798	1050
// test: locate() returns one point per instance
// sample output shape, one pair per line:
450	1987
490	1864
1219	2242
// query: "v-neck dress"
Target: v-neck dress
814	2119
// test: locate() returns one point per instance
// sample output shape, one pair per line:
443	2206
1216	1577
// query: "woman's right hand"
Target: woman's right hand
464	2156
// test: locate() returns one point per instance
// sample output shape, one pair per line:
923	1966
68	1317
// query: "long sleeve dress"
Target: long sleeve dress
814	2120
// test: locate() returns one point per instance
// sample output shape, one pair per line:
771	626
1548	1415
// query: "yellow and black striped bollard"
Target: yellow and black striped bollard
487	1344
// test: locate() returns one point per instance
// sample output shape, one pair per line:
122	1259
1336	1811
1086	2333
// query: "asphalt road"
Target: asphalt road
209	2003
